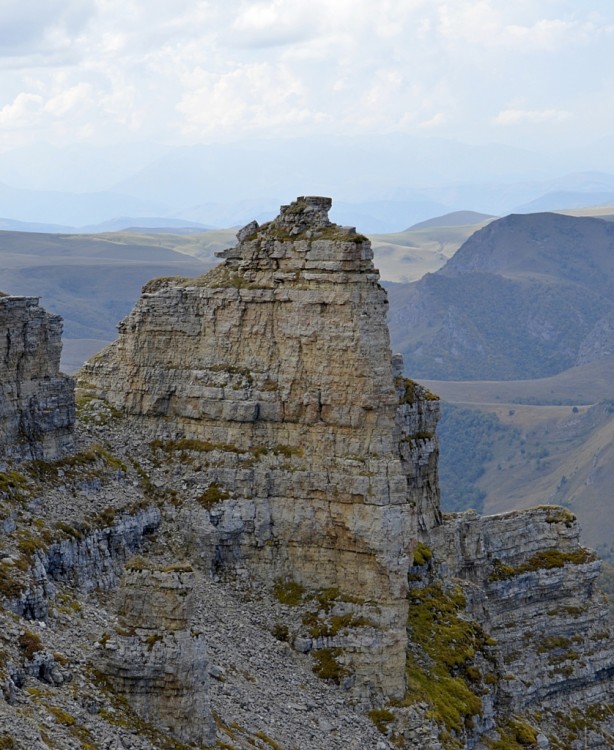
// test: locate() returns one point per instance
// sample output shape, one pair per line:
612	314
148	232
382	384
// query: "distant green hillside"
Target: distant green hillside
524	297
498	457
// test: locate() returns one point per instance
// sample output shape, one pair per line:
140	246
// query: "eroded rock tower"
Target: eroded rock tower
279	362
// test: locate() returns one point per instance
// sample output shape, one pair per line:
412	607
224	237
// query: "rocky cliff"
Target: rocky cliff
154	658
279	362
37	411
252	435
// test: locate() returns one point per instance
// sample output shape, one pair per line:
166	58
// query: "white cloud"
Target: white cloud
247	99
532	117
270	24
21	111
202	69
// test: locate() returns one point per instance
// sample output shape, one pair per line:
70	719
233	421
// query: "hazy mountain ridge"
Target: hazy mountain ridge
524	297
80	186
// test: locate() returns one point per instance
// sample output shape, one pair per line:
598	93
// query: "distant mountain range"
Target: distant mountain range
379	185
527	296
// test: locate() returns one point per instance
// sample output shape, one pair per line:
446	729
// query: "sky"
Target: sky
535	72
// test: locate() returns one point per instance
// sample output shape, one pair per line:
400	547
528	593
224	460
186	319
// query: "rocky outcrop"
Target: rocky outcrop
276	369
85	560
37	410
257	421
155	659
532	587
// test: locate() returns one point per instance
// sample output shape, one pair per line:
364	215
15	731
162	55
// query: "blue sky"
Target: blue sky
537	74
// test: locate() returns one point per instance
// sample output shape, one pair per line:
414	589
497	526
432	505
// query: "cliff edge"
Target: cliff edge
37	411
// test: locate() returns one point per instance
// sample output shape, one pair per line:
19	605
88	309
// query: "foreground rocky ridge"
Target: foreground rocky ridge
252	438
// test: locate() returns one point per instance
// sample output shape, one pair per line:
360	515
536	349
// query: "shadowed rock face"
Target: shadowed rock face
37	407
279	359
155	660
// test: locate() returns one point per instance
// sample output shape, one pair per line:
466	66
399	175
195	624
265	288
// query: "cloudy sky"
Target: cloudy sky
537	73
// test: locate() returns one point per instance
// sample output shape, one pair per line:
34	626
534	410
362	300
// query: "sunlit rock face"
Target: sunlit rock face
322	458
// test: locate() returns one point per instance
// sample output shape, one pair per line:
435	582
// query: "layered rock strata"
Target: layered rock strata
321	457
37	411
532	587
155	658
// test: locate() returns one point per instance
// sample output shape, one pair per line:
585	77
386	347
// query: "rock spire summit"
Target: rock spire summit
323	457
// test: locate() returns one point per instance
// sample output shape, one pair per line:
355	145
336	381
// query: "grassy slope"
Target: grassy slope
586	384
407	256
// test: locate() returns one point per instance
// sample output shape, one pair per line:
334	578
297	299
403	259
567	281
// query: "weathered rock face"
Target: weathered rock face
271	398
37	410
155	659
278	361
531	585
92	561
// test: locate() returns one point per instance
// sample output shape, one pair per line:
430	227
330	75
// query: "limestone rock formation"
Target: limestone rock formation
37	411
279	362
154	658
255	423
272	378
533	587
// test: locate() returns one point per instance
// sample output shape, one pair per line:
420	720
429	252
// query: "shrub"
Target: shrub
30	643
422	554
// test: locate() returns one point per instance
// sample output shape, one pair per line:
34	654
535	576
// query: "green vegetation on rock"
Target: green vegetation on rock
440	670
543	560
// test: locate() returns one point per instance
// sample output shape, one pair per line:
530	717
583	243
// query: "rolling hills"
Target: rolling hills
91	281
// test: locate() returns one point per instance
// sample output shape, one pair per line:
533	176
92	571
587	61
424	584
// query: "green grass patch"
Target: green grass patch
212	495
326	666
447	641
288	592
543	560
422	554
381	717
30	643
12	483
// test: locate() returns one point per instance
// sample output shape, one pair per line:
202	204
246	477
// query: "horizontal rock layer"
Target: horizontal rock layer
533	588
